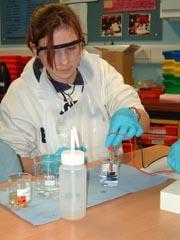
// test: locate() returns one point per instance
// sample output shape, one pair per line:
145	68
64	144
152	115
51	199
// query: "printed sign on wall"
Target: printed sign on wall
128	5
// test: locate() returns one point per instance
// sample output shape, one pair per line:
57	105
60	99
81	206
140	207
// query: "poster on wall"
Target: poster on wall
77	1
128	5
111	25
139	24
15	19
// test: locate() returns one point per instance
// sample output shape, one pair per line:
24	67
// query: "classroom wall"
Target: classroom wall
171	35
142	71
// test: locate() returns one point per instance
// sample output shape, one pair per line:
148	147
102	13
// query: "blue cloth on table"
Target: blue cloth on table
45	210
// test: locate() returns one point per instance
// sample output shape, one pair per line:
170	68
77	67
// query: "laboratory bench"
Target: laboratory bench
133	216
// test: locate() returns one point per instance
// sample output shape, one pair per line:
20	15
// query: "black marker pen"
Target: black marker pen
43	135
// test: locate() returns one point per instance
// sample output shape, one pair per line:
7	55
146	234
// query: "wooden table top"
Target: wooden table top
134	216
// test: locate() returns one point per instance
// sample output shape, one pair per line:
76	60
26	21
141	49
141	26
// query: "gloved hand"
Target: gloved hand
174	156
60	150
123	126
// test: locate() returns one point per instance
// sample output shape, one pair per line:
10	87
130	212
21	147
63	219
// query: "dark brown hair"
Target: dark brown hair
48	17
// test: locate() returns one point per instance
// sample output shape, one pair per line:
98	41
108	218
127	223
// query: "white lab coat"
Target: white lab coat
30	105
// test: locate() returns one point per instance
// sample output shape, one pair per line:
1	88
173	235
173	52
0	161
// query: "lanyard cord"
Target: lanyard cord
69	102
64	94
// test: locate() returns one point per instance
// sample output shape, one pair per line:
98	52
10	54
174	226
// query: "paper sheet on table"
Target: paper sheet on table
45	210
161	165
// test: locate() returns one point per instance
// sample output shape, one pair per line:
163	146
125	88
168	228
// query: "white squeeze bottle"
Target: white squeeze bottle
72	185
73	178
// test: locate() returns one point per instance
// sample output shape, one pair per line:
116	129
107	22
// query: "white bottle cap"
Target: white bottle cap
75	157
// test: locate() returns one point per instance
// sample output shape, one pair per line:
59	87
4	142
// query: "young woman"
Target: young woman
63	86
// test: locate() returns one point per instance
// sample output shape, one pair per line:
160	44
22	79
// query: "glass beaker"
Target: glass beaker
19	190
46	170
109	174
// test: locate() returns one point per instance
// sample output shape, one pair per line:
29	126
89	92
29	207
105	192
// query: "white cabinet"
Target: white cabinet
170	9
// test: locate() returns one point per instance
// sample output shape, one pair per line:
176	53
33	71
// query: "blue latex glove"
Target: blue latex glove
123	126
60	150
174	156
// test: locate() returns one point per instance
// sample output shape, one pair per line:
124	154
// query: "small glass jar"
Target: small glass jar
19	190
109	173
110	169
46	170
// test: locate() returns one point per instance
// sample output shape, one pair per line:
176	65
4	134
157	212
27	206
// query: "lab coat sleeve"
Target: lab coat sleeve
16	124
116	94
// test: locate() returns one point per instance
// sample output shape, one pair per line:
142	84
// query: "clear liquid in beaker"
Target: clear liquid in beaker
109	173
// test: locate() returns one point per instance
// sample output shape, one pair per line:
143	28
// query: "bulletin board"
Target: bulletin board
126	21
15	15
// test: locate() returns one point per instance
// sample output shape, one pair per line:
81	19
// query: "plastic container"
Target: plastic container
172	54
165	130
73	178
128	147
15	64
176	55
169	77
153	92
167	70
150	139
172	86
176	69
168	54
11	58
168	65
5	79
168	62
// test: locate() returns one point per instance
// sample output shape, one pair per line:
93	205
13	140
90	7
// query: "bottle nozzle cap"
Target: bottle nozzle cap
75	157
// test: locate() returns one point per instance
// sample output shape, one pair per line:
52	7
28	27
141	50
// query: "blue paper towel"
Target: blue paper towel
44	210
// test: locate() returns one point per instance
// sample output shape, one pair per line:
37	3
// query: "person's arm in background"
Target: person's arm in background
27	165
16	127
174	156
9	161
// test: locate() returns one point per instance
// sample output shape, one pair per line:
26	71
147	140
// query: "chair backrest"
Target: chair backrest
9	161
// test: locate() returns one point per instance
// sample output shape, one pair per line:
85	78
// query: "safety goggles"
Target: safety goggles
70	45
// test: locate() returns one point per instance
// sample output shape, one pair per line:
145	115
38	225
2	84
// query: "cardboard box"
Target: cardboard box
122	58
